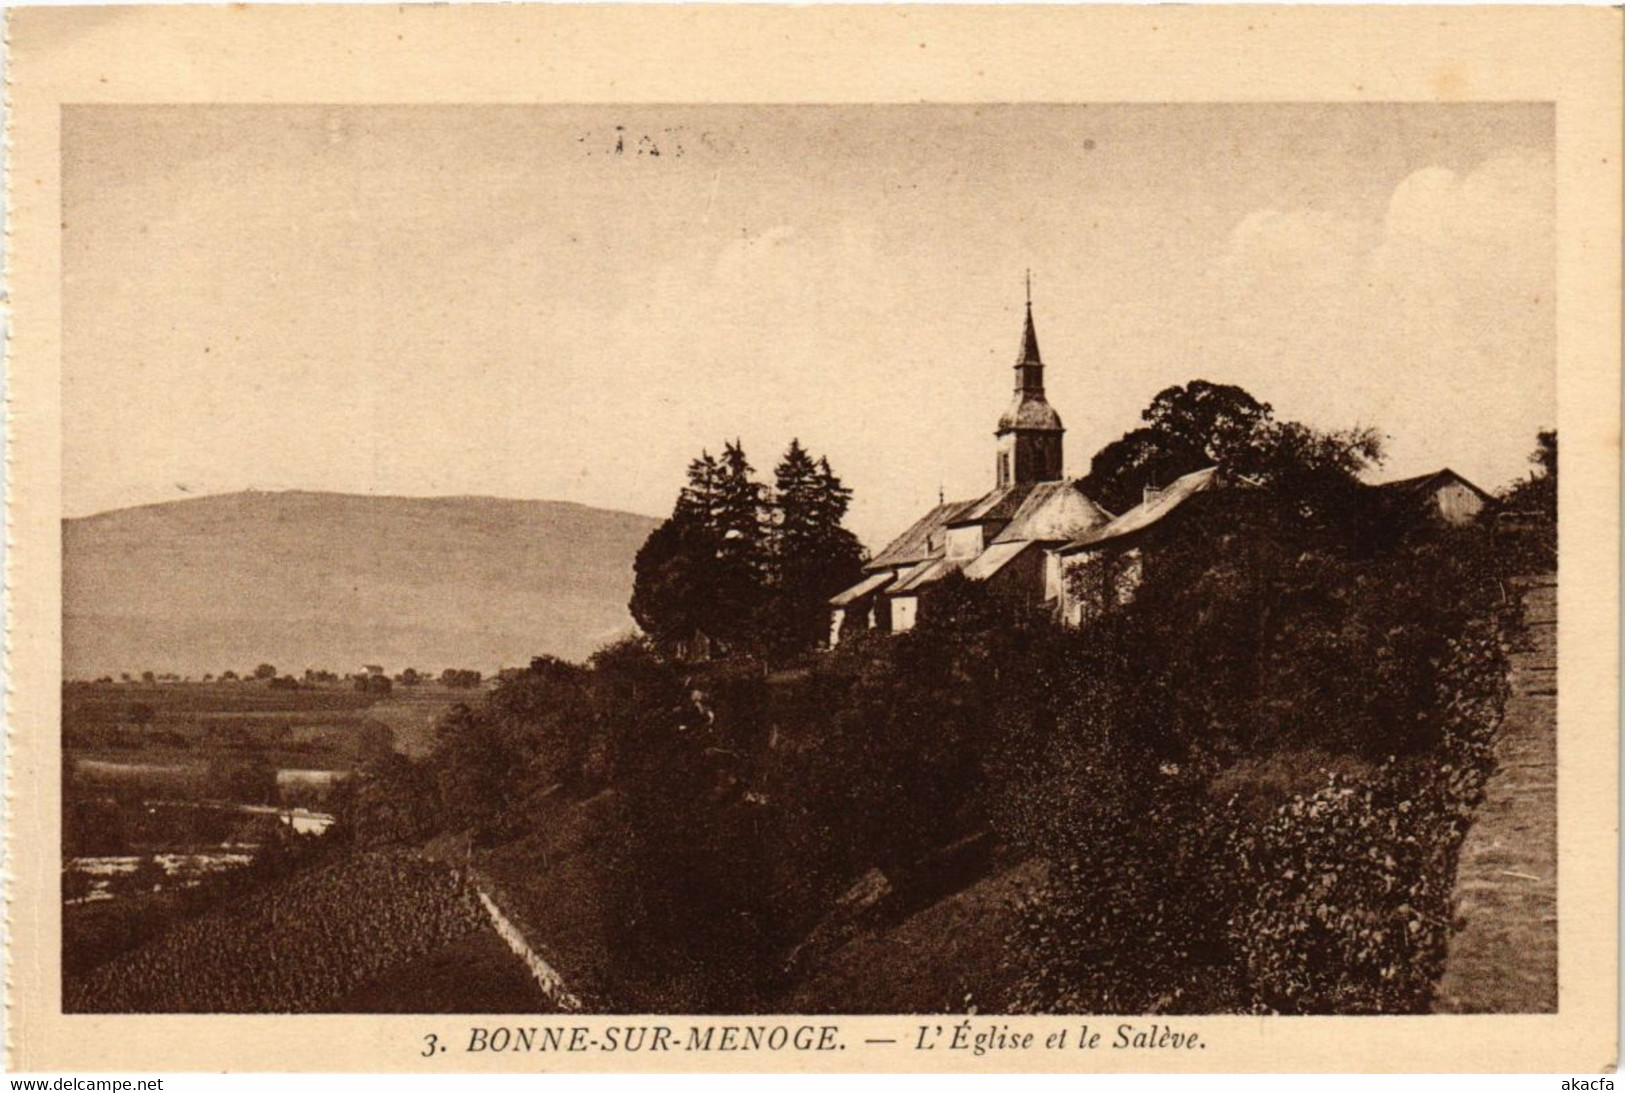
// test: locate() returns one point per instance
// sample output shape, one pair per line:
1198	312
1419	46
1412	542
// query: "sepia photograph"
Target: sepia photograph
1020	576
895	559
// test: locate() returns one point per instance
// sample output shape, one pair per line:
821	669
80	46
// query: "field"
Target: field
331	724
475	974
345	936
410	714
155	769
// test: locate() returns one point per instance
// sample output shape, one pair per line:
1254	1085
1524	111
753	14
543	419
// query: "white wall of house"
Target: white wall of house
836	617
965	542
1054	577
1458	504
903	612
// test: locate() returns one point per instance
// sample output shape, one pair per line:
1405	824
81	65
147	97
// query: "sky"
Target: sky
529	302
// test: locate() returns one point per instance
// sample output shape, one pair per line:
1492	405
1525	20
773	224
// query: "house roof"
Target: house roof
1148	512
1053	512
924	538
1002	503
1426	483
918	576
995	558
870	584
1045	511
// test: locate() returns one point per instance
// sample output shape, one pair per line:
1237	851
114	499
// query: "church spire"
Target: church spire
1030	430
1029	365
1029	342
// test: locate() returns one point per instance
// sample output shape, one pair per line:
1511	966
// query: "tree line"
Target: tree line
376	682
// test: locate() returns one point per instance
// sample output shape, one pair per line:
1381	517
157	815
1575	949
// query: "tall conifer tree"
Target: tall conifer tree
739	578
672	569
813	556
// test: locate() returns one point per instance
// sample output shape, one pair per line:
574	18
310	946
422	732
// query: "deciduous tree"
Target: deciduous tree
1202	423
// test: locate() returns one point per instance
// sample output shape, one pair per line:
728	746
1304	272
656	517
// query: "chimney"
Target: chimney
1151	494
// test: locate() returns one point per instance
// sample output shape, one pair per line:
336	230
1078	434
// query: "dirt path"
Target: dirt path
1504	959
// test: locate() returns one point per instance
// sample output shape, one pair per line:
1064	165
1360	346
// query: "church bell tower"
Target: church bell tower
1030	431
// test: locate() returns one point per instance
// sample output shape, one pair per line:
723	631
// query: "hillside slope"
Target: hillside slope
335	581
951	956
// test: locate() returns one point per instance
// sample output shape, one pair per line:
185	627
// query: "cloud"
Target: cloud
1494	223
1436	316
1510	195
1494	220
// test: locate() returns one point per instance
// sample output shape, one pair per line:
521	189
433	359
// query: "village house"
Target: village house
1103	568
1443	495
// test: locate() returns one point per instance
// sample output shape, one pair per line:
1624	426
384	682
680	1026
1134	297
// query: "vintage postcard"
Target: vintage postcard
854	539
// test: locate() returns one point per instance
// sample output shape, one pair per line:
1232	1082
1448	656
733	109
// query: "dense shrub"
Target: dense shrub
1335	901
685	916
1350	886
1263	629
391	800
1260	627
1125	923
1345	916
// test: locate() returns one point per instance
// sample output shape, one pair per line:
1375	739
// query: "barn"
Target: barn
1443	495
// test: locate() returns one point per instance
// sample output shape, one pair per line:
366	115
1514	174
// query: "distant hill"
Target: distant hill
335	581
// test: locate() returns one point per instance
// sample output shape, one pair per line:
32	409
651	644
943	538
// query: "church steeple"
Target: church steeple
1029	365
1030	431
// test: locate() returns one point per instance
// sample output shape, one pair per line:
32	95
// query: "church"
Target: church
1037	539
1004	537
